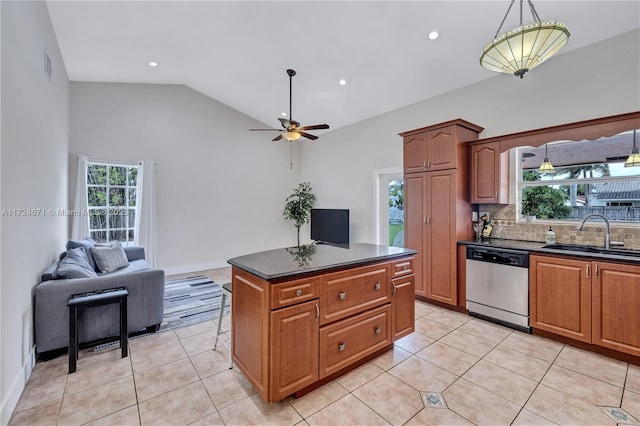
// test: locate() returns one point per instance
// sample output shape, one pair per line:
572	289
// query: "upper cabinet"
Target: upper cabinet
489	174
435	147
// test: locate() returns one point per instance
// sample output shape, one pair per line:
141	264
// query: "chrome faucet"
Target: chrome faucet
607	238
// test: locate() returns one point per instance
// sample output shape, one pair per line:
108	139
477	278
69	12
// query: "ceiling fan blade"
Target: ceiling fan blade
285	123
307	135
277	138
265	130
314	127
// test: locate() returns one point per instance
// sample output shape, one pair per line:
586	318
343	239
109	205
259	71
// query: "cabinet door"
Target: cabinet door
616	306
415	153
441	149
294	349
414	219
441	260
485	172
560	296
403	306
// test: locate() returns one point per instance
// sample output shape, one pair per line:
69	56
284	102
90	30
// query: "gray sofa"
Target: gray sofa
145	303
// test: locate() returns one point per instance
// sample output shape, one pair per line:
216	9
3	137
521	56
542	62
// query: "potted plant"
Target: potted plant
530	206
298	206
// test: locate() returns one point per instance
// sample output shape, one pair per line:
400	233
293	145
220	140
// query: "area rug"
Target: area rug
187	301
191	300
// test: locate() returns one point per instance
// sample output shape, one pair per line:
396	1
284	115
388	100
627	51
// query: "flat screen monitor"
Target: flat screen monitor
330	226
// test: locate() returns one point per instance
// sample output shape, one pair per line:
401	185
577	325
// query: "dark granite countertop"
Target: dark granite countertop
618	254
294	261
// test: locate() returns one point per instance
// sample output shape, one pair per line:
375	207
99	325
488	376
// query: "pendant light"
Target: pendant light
546	166
525	47
634	157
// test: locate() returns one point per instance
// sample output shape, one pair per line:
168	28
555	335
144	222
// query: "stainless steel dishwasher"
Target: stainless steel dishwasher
498	286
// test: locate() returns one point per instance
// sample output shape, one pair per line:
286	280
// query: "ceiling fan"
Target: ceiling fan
292	129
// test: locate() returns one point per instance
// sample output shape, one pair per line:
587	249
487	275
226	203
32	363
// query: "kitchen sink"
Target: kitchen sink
591	249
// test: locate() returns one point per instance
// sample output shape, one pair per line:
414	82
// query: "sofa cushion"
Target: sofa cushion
85	244
75	265
109	257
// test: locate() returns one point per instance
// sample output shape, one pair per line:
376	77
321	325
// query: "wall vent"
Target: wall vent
48	70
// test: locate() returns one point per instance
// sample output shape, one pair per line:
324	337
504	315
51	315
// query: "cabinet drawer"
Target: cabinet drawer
402	267
293	292
347	341
346	293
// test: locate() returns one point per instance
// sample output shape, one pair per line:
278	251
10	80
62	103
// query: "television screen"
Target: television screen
330	226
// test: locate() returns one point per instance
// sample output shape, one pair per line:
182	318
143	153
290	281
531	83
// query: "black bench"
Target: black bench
89	300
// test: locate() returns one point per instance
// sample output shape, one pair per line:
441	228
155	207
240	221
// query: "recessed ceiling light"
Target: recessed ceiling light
153	64
343	82
433	35
284	114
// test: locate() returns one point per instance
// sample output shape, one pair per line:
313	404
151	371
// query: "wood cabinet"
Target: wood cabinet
489	174
436	147
592	301
560	296
294	357
437	207
290	335
616	306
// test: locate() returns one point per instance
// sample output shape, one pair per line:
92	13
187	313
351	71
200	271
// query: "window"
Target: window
390	207
111	191
590	178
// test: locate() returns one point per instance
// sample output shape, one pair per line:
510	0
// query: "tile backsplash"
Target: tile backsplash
506	226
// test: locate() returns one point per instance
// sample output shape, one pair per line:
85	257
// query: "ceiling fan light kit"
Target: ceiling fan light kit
523	48
292	129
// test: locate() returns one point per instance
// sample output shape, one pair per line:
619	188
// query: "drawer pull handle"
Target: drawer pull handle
341	347
299	292
378	286
342	295
377	330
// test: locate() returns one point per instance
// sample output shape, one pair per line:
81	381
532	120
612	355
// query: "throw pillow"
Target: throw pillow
109	257
85	244
75	265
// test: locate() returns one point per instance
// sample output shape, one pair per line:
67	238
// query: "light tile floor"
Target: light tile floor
454	370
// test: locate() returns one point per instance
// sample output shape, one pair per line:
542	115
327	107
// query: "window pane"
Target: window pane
117	220
132	197
132	218
96	174
97	196
117	175
97	219
116	196
133	176
119	235
99	236
396	213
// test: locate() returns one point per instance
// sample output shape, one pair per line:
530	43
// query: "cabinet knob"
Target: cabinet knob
341	347
378	286
377	330
299	292
342	295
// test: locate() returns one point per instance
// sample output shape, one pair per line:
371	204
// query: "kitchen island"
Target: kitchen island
302	316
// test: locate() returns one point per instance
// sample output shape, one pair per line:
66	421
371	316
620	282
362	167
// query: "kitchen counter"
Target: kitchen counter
295	261
630	256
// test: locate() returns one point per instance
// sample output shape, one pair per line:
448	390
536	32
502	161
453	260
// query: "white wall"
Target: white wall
34	151
586	83
220	188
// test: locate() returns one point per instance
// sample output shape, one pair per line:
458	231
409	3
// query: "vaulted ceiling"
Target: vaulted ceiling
237	52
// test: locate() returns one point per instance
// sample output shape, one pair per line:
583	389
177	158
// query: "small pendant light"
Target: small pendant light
634	157
546	166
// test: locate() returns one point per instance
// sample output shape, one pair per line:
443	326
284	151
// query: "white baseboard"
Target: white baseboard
17	387
185	269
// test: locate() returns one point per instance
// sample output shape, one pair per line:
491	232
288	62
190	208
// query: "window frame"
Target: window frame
520	185
110	211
